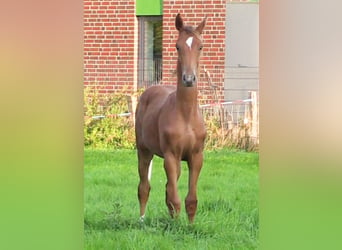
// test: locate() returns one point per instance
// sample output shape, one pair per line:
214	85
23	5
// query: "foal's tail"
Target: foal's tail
150	170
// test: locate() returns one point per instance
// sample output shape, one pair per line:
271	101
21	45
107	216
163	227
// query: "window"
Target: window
150	51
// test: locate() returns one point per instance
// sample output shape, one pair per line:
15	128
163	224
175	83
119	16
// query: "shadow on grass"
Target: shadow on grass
164	225
215	206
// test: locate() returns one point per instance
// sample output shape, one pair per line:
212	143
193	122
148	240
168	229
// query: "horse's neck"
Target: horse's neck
186	99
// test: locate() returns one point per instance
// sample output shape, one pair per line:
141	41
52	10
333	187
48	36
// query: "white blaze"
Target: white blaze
189	41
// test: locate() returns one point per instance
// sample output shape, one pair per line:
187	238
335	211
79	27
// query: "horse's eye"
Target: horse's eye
177	47
201	47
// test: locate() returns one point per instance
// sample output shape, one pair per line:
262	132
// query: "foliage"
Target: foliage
103	128
112	131
220	137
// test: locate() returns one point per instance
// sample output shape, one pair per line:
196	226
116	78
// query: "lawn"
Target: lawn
227	213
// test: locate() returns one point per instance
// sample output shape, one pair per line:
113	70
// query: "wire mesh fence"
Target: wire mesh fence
238	122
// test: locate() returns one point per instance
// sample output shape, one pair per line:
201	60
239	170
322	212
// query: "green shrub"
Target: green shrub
110	130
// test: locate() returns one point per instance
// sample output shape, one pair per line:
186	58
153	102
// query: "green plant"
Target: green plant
103	127
218	136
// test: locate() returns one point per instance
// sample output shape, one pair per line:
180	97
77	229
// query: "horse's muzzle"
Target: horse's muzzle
188	80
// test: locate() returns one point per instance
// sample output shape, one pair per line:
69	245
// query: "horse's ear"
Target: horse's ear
179	22
200	27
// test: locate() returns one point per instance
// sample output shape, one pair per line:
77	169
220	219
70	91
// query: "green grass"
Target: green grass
227	213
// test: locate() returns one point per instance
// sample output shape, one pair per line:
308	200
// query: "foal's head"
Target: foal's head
189	46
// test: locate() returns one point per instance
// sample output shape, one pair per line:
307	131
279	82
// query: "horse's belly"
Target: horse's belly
151	137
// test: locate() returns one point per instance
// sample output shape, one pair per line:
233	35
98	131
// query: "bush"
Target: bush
103	128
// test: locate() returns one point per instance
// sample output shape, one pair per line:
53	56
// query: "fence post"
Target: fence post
255	116
133	101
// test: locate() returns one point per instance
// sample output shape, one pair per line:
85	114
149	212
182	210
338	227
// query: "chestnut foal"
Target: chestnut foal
170	125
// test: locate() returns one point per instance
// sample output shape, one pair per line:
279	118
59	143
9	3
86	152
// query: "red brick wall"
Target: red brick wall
213	56
110	44
239	1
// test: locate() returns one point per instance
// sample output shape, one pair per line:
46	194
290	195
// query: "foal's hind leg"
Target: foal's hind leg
144	159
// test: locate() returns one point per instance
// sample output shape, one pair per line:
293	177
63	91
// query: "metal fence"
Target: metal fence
149	71
238	115
240	118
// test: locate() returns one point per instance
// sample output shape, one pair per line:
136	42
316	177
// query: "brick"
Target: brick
111	25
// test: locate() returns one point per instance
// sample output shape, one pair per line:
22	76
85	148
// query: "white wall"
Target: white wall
242	50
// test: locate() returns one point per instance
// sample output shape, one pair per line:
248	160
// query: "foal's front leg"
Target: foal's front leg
172	170
195	166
